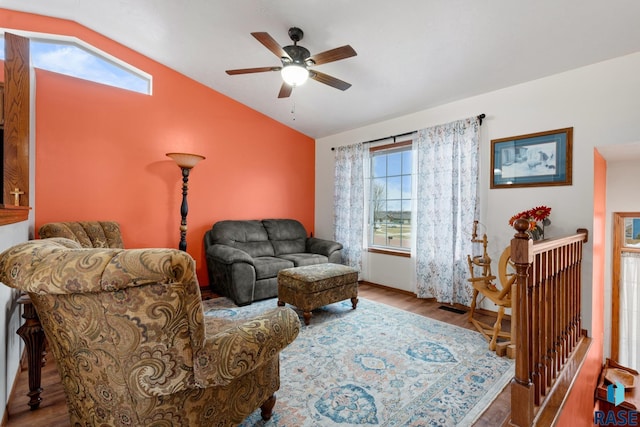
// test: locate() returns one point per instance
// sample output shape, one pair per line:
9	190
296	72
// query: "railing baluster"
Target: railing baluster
544	309
566	306
553	327
562	307
548	326
535	330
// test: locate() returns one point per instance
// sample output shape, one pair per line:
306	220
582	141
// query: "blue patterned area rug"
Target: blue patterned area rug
378	366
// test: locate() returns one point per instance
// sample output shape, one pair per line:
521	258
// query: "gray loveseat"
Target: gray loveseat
244	257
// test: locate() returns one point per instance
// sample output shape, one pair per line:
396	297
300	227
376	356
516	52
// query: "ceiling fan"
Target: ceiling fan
297	61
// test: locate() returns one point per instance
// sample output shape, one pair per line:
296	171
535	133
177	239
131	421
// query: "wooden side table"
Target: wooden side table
32	334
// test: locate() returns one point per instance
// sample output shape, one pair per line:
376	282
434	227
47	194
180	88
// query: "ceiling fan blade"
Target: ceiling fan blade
252	70
271	44
329	80
333	55
285	90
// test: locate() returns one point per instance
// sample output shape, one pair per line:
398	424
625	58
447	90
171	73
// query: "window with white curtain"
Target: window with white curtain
630	310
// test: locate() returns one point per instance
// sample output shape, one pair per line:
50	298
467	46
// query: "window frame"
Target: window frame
618	249
380	249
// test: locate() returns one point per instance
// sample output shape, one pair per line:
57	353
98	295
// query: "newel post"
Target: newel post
522	390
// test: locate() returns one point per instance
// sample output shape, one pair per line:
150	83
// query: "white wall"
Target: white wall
10	343
623	195
602	104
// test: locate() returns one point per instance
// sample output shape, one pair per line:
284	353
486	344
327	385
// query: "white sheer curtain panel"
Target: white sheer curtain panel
446	206
348	203
630	310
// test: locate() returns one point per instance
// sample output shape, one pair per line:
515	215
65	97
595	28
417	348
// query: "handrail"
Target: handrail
546	323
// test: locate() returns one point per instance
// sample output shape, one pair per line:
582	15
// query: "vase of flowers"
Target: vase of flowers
537	217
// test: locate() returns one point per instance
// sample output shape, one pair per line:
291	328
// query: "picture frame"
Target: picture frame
532	160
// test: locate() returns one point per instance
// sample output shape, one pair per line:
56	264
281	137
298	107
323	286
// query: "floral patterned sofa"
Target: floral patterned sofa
131	341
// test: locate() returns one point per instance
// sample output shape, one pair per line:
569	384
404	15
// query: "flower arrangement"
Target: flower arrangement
534	215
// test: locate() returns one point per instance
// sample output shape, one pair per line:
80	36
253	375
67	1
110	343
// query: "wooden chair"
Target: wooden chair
484	287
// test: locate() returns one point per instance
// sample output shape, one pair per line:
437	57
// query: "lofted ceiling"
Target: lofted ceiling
411	54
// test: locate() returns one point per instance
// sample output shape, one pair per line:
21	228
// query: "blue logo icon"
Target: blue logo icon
617	417
615	393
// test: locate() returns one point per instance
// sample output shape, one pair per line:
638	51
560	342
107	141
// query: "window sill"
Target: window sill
12	214
389	252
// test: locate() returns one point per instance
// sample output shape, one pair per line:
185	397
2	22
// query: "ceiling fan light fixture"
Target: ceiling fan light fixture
294	74
297	62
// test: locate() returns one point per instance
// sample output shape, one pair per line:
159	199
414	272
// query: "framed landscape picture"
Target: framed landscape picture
533	160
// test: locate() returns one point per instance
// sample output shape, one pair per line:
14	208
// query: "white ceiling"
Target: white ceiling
412	54
620	152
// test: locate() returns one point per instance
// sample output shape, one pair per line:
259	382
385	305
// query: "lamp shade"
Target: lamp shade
186	160
294	75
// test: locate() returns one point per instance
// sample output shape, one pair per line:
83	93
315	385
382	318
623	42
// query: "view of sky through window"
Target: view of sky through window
73	60
390	198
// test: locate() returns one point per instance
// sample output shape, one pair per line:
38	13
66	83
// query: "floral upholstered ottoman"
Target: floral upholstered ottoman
314	286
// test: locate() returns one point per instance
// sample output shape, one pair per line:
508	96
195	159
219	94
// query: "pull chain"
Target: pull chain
293	105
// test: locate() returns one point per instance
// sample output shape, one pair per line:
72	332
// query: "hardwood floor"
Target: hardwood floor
53	409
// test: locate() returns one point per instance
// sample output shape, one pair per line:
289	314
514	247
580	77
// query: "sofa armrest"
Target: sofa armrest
228	255
233	352
322	246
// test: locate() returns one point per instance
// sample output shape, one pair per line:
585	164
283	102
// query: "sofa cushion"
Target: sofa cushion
249	236
303	259
267	267
287	236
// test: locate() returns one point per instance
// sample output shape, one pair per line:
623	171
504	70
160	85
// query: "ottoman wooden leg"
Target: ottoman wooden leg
354	302
307	317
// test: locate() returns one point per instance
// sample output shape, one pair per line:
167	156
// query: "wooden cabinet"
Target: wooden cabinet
15	161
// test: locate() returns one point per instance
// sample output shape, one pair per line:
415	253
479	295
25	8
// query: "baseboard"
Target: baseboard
482	311
388	288
22	367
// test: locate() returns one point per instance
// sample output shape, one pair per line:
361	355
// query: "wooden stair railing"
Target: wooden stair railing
548	340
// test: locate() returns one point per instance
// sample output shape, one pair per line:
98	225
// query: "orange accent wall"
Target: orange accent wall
100	152
579	407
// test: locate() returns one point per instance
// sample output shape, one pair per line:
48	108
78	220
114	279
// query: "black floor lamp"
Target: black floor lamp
186	162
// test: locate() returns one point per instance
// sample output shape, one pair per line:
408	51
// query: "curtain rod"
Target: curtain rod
480	117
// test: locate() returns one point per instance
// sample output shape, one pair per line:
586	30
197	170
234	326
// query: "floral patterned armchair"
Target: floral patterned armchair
90	234
131	341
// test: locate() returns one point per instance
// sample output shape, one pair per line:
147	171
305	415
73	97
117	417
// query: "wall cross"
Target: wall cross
16	194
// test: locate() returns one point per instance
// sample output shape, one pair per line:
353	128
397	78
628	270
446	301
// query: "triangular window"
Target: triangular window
72	57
